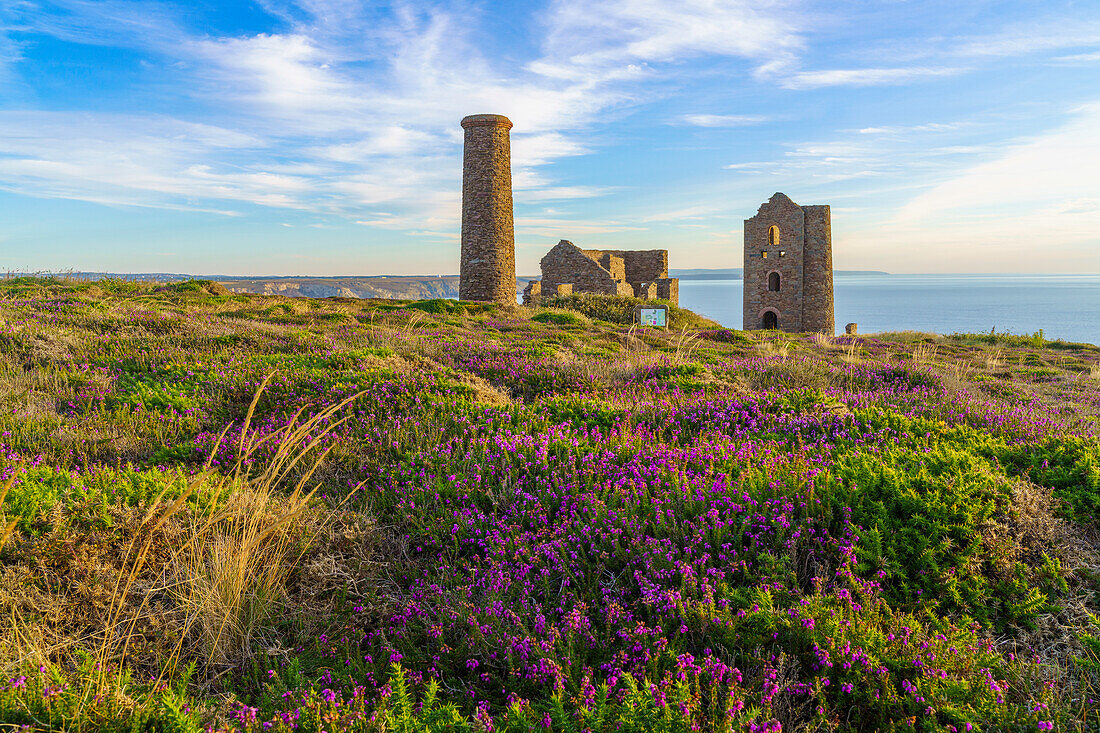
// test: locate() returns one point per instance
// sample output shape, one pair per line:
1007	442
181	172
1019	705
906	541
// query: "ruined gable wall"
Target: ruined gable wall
779	211
569	264
608	272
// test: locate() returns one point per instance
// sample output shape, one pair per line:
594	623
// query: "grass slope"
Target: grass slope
259	513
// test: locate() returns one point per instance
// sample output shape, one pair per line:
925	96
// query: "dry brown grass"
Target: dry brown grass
923	353
6	526
775	348
993	360
853	354
185	583
686	344
232	571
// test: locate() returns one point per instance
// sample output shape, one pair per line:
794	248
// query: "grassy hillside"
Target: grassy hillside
259	513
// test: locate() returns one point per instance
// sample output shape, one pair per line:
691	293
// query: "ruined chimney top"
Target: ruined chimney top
486	121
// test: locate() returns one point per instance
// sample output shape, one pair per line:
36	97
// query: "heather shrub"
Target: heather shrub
620	309
39	495
558	318
498	519
1069	464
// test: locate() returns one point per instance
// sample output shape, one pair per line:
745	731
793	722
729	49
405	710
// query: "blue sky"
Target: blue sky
321	137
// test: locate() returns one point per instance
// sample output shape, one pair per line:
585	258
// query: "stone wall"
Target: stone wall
532	292
799	253
639	265
488	265
817	296
645	265
610	262
668	288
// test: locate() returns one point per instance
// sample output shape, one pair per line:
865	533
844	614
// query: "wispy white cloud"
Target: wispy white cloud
120	159
909	129
1034	197
1019	39
1059	166
351	105
705	120
559	193
562	228
1079	58
689	213
598	34
753	165
865	77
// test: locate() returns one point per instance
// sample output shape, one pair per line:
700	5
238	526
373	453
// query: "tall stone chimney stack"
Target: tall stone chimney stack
488	269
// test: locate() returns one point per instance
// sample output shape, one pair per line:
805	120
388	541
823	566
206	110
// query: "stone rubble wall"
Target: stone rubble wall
533	292
612	263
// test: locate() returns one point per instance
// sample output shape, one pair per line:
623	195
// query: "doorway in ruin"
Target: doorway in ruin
771	320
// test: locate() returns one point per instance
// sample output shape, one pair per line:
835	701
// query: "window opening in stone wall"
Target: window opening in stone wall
773	236
770	320
782	253
764	253
773	282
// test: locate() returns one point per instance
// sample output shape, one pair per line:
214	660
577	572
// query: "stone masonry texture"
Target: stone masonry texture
638	273
532	292
789	267
488	268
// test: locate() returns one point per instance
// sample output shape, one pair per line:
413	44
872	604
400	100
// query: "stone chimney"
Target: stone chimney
488	268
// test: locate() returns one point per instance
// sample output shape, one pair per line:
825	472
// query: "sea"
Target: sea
1065	307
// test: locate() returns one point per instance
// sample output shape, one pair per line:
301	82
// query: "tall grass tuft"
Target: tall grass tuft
686	344
852	353
993	361
776	347
235	566
6	527
923	353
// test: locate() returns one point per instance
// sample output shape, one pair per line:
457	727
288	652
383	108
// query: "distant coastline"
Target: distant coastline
735	273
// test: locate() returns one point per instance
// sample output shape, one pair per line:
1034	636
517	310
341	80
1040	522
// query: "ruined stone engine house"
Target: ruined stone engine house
788	275
568	269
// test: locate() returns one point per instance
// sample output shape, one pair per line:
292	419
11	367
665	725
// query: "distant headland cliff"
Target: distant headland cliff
401	287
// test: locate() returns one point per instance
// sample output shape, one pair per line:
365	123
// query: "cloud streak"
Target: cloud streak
352	106
865	77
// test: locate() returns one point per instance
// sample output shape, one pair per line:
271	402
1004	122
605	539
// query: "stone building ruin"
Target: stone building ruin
568	269
788	275
488	267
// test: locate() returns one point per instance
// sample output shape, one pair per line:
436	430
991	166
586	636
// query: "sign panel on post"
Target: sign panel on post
652	316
